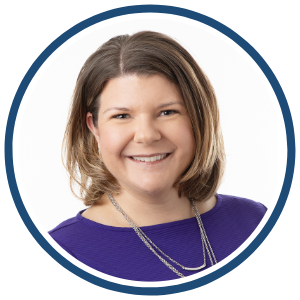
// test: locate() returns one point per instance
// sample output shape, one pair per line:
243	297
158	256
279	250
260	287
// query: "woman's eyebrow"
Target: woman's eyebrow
116	108
170	103
127	109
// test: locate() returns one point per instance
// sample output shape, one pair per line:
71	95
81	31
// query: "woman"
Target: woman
144	144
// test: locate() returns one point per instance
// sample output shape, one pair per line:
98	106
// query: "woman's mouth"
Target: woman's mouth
149	159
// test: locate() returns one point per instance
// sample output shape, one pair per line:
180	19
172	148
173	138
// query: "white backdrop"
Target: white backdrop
30	33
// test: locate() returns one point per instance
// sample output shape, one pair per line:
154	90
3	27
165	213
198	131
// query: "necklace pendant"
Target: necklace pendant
195	269
205	242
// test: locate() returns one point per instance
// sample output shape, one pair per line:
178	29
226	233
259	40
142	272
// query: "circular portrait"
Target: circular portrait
149	151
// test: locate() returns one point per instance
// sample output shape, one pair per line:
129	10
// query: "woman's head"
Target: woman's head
144	133
143	56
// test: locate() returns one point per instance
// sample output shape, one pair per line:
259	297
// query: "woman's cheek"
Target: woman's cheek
111	142
183	133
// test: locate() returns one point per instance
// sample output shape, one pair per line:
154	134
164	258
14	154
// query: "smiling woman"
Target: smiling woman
144	144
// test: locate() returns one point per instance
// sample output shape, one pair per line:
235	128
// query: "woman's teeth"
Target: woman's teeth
147	159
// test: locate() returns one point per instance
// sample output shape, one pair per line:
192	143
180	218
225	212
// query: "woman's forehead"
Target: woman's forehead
134	90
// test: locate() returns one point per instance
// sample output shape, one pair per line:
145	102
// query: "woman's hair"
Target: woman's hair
144	53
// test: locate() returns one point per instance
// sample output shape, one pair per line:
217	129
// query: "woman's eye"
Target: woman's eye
121	116
168	112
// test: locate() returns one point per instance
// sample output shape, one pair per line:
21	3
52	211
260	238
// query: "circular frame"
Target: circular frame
290	137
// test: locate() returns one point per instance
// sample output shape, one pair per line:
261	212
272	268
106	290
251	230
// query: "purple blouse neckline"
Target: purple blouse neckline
119	252
151	227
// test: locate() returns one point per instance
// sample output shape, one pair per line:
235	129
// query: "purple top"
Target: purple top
119	252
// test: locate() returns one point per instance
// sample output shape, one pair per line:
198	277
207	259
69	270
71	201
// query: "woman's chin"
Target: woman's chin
150	189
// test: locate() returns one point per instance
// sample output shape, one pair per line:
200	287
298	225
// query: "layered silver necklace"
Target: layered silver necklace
205	242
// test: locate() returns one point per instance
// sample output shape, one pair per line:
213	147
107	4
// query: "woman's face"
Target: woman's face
144	132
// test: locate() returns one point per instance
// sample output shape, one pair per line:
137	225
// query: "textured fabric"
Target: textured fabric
119	252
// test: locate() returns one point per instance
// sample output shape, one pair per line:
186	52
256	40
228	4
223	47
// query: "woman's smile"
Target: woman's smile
149	159
144	132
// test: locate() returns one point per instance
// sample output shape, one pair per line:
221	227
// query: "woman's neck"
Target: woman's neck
145	210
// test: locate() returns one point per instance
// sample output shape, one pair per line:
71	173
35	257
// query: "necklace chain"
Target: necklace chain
147	241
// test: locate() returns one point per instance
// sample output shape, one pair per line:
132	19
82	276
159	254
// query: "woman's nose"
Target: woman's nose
146	132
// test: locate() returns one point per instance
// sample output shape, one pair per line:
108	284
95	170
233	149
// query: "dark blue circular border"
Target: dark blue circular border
164	10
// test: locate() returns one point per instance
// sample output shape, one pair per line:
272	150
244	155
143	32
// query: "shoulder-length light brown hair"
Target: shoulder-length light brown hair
144	53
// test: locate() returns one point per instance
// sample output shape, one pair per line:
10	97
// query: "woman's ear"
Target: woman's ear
91	126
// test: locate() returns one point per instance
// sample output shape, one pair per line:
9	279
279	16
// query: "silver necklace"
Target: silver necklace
205	242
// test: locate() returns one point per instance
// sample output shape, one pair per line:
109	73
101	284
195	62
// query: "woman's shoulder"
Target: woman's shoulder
240	203
64	225
66	229
240	210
